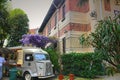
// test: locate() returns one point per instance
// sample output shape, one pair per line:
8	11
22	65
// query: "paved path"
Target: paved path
114	77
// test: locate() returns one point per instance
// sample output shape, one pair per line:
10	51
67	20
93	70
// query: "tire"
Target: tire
27	76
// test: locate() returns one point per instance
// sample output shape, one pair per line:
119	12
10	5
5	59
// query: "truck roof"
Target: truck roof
28	49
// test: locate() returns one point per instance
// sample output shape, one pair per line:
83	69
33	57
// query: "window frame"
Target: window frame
63	12
56	20
28	55
49	27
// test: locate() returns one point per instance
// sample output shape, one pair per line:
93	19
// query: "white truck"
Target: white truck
33	62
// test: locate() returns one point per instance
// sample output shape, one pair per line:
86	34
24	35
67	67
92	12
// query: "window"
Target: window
63	13
39	57
49	28
117	2
107	5
55	20
28	57
64	44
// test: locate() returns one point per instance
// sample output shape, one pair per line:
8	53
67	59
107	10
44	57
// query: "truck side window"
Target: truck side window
28	57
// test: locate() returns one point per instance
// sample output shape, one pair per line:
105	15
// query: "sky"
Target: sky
36	10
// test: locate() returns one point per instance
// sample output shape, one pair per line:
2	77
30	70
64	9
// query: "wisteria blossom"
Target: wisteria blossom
35	40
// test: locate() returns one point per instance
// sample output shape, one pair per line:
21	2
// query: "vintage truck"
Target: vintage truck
33	62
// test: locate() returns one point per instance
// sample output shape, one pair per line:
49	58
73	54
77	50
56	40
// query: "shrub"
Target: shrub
106	40
54	58
83	65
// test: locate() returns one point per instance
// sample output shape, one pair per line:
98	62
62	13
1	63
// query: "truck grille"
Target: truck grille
49	70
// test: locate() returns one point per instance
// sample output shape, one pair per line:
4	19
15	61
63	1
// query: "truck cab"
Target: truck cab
34	63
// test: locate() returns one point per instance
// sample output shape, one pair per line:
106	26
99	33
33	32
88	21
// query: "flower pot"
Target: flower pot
61	77
71	76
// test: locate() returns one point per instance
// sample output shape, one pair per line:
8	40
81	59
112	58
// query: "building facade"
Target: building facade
68	19
33	31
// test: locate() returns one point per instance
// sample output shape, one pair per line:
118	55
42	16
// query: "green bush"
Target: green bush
54	58
83	65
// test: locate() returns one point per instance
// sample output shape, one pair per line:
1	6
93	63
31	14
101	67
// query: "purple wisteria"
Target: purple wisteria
35	40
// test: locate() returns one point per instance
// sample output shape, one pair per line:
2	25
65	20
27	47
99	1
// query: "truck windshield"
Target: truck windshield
39	57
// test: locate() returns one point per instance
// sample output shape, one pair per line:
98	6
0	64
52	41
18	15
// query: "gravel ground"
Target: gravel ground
115	77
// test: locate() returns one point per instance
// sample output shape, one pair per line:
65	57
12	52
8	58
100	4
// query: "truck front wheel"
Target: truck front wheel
27	76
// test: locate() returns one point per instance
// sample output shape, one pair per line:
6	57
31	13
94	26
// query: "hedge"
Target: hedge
82	65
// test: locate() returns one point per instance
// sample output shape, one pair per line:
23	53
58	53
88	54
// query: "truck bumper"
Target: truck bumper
42	77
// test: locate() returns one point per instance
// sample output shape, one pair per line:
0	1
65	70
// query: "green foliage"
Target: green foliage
16	12
19	26
85	40
82	39
13	25
54	56
110	71
106	40
19	73
82	64
3	22
2	3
